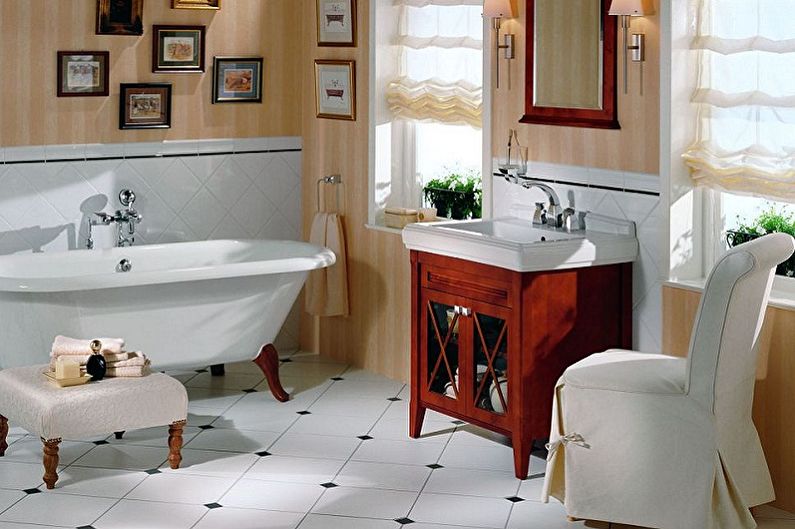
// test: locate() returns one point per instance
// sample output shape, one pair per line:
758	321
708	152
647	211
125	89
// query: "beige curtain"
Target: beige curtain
745	98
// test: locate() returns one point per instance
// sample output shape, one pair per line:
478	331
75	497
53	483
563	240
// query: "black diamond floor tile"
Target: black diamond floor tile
514	499
206	427
86	527
329	485
457	422
201	370
153	471
100	443
404	521
31	491
394	399
364	437
286	360
337	379
213	505
252	390
262	454
434	466
305	412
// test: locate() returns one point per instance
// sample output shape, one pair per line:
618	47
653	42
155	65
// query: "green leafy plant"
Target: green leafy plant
769	221
457	195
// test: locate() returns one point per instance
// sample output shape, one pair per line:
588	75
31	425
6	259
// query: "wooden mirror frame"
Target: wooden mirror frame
607	117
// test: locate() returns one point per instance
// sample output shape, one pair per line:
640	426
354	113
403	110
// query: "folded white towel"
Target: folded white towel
130	371
136	358
71	346
83	359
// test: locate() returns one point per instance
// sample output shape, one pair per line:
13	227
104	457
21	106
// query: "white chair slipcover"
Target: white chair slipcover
665	442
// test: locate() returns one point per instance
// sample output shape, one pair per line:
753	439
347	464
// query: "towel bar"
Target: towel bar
331	179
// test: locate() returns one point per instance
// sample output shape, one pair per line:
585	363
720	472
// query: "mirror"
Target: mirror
571	64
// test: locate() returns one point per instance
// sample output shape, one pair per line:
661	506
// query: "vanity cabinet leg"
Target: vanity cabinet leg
218	370
416	418
522	448
268	361
3	435
51	462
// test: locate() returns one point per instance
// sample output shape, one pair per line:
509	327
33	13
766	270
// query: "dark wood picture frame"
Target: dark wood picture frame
604	118
131	117
196	4
330	18
120	17
162	64
351	75
222	93
80	89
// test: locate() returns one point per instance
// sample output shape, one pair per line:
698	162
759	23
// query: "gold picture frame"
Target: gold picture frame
335	89
195	4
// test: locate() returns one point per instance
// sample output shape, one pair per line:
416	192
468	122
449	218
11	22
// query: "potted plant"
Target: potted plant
769	221
457	195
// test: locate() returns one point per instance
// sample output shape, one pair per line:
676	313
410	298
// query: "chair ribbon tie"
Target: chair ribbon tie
573	438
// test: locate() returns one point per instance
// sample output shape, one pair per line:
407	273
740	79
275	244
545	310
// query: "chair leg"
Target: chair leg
51	462
175	444
3	435
268	362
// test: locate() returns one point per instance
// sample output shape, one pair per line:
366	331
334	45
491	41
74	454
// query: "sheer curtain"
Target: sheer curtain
746	97
441	64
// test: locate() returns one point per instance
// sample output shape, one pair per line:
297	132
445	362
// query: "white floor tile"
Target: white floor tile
530	515
531	489
30	450
134	514
350	406
249	519
317	446
412	452
57	509
332	425
256	494
462	510
295	469
154	437
100	482
9	498
473	482
322	521
232	440
122	456
249	368
440	526
14	525
258	419
383	476
213	463
230	381
20	475
311	370
181	488
363	503
488	456
398	429
364	389
214	397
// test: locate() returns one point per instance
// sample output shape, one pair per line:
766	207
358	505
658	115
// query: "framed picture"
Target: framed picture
336	22
335	89
83	73
195	4
145	106
178	49
237	80
120	17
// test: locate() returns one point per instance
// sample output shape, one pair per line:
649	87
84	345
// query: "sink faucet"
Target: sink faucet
554	213
125	221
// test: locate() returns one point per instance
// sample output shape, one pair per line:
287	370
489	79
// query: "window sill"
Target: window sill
385	229
782	295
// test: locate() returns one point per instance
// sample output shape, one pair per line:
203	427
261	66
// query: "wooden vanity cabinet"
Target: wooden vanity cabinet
489	344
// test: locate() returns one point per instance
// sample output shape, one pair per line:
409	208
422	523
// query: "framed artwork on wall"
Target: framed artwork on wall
120	17
335	89
237	80
145	106
195	4
83	73
178	49
336	22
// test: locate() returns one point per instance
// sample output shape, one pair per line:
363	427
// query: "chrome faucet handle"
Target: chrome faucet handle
127	197
103	217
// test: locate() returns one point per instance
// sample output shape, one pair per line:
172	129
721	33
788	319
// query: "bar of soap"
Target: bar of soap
67	368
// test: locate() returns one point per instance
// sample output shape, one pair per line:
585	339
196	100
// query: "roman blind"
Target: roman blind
745	96
440	47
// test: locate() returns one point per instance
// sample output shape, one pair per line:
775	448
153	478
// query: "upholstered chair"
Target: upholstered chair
665	442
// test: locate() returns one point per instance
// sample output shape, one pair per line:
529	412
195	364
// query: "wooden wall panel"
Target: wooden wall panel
773	409
32	31
634	148
376	334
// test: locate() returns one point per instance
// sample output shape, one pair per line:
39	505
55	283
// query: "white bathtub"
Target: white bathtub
184	304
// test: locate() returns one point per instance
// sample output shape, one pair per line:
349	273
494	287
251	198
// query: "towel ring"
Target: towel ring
334	179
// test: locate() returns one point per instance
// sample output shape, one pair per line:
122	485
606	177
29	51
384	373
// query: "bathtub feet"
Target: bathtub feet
268	361
217	370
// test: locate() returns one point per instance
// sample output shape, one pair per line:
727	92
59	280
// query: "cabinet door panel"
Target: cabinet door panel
442	364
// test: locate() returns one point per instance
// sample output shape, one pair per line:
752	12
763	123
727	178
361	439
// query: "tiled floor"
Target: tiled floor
335	456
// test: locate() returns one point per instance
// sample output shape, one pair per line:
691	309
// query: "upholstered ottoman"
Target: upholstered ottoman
29	400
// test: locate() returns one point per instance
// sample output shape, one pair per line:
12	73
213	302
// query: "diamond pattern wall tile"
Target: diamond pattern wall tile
178	185
228	183
151	169
254	163
203	213
253	211
203	167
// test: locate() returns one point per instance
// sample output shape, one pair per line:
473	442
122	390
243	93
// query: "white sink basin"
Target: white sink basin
516	244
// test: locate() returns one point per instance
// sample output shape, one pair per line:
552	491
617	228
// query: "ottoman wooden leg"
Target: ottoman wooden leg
175	444
3	435
51	462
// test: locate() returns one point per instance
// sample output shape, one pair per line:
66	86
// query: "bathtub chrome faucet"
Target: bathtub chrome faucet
125	221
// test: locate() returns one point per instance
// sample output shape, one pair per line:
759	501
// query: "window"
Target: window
429	97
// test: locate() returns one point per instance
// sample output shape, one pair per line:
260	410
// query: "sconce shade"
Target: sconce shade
634	8
498	9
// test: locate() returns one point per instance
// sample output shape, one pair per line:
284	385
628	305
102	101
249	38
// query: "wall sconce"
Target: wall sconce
497	10
626	9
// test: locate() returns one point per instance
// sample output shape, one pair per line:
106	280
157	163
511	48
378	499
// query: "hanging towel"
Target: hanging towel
327	288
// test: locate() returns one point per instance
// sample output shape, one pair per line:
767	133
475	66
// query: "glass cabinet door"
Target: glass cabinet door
442	349
490	363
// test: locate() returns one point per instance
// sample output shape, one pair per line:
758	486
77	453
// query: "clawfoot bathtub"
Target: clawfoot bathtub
184	304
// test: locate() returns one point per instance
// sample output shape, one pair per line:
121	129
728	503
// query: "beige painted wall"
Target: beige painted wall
634	148
32	31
